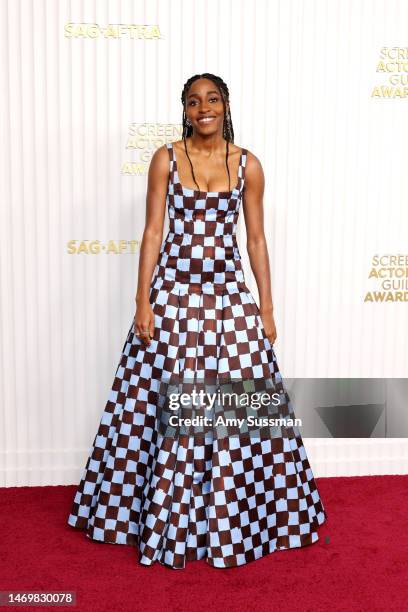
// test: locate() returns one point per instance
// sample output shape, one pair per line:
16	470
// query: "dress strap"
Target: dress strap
244	157
242	164
173	163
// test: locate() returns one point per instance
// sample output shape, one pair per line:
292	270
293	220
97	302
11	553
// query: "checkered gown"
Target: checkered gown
230	500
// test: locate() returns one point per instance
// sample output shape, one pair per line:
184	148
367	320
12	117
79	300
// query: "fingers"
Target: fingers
144	332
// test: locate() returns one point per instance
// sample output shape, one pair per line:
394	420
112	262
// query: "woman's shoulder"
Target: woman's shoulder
159	162
253	168
250	155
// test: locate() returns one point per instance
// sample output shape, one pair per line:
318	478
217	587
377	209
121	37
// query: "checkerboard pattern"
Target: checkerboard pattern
228	499
201	245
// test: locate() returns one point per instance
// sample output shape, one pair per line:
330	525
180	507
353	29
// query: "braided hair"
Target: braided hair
228	130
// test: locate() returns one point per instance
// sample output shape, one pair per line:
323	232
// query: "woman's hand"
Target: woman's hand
144	322
268	323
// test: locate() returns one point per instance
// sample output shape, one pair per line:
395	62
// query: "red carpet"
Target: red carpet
359	563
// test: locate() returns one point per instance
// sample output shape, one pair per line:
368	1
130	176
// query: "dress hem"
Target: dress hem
314	537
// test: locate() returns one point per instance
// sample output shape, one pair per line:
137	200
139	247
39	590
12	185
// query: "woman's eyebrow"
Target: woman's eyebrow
198	95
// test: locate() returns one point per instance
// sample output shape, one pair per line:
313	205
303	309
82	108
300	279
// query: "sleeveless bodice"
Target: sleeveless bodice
200	250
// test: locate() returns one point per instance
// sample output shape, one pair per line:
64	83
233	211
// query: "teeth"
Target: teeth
206	119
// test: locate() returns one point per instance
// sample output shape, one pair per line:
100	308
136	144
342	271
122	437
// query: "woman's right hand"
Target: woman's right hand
143	322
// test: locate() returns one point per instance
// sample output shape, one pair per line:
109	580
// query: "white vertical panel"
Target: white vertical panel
300	76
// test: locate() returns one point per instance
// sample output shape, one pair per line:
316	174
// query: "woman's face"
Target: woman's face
204	107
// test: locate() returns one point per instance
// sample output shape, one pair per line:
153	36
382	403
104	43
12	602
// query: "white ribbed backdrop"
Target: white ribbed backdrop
301	74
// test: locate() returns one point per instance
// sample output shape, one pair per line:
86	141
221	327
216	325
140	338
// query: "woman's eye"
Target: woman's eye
193	102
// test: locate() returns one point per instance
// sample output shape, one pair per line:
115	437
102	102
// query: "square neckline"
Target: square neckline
193	191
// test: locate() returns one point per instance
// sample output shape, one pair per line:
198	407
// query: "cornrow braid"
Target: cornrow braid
228	130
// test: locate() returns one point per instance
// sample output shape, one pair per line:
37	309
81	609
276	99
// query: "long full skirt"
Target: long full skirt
181	494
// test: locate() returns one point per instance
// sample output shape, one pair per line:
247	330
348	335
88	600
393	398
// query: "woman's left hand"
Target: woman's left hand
268	323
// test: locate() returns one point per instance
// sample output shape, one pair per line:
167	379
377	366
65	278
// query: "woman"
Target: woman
183	494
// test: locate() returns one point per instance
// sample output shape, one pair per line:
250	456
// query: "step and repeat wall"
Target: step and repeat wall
319	93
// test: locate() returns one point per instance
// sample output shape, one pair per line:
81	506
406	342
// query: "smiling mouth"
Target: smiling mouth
206	119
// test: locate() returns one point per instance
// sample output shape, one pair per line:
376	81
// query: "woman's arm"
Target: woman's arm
256	241
158	176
